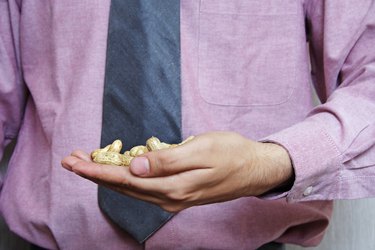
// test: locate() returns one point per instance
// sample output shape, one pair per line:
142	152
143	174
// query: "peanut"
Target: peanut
154	143
100	150
111	155
112	158
116	146
138	150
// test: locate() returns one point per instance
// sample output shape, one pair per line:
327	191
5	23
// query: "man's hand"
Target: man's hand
213	167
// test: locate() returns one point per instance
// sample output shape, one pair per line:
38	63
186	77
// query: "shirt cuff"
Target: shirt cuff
315	159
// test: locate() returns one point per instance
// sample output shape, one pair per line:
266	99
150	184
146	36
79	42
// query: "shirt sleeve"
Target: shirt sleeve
333	149
12	88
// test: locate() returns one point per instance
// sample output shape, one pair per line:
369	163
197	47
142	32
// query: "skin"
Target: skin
213	167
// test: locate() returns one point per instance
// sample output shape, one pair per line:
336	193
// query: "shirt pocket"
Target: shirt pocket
246	54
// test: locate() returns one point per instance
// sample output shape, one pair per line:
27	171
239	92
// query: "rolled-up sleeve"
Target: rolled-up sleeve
12	88
333	149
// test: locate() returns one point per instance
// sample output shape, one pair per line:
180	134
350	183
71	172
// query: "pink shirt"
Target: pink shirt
245	67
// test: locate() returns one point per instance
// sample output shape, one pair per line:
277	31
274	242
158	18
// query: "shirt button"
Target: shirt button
308	191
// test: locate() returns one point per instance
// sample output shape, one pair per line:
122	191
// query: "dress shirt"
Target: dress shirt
245	68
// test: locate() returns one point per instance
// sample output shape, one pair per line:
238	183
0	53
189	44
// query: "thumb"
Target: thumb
140	166
166	161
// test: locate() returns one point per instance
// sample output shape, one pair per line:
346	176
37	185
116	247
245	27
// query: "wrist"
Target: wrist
276	165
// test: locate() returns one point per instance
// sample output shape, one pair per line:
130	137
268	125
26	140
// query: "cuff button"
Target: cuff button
308	191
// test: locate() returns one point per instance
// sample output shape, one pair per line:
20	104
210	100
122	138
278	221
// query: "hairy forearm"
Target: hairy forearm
276	166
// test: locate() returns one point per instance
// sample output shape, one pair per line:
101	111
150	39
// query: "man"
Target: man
244	68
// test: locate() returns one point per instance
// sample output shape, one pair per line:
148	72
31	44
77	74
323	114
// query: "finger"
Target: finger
65	164
171	161
113	175
163	187
149	195
157	199
106	173
69	161
81	155
132	193
165	203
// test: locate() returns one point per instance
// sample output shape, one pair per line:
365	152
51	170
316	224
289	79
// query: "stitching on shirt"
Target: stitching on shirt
293	88
207	10
324	132
340	166
355	177
337	183
246	14
354	139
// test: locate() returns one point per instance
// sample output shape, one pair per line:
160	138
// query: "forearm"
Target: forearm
274	167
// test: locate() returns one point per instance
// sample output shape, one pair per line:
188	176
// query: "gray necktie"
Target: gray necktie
141	96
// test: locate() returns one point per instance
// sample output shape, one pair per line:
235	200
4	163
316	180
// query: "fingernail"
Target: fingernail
140	166
81	155
66	166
